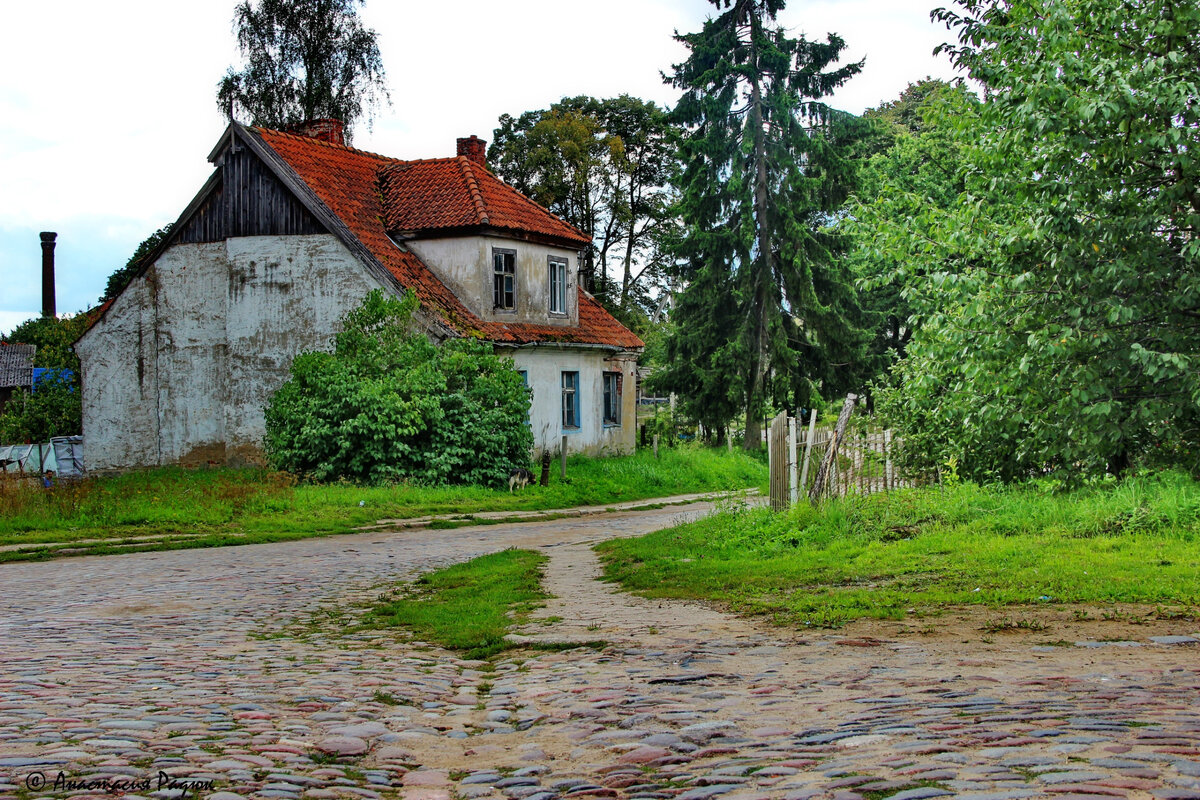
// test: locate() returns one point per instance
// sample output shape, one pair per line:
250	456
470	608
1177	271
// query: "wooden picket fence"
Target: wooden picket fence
820	463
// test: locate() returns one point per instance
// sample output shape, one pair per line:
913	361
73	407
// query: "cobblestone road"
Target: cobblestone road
220	670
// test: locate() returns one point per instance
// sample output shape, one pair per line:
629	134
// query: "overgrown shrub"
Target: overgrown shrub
387	405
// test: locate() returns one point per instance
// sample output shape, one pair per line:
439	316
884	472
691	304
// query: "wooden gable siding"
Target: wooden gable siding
246	200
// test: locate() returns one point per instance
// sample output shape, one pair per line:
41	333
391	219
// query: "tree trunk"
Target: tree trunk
764	267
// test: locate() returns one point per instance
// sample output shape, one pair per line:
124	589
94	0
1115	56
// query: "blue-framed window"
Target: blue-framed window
612	398
570	400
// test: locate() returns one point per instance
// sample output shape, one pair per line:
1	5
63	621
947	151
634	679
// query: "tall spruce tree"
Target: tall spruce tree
765	168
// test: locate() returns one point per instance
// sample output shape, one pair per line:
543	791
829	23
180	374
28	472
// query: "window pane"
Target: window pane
570	404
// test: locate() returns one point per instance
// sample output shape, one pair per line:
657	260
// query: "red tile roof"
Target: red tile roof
347	181
435	194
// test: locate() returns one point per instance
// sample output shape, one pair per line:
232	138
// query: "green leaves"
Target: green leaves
1058	288
387	405
304	60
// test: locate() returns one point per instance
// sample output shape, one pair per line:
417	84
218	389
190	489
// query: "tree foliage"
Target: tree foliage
121	278
55	339
906	190
304	59
54	408
765	166
388	405
1059	296
603	166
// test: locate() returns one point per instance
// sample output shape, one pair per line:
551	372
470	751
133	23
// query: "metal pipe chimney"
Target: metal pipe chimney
48	273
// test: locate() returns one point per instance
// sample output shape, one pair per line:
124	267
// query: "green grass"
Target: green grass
176	507
886	556
469	606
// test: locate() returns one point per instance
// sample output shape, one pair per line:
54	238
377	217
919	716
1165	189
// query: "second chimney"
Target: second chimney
48	238
327	130
473	148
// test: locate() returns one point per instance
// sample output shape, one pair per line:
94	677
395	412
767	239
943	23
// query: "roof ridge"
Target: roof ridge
473	187
323	143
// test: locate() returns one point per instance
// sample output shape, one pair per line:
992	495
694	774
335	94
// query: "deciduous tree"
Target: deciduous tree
1062	332
304	59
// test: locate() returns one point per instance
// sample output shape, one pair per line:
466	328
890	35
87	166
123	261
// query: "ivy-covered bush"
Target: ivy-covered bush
387	405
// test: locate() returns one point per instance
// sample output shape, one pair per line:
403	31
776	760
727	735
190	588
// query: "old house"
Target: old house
288	234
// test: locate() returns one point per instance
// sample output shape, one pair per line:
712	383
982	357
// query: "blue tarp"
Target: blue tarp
41	374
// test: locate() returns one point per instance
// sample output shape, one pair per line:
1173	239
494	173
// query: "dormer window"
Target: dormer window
558	285
504	280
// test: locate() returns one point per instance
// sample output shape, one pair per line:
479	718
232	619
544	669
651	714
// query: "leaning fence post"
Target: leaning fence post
564	457
830	460
808	444
888	476
656	445
794	495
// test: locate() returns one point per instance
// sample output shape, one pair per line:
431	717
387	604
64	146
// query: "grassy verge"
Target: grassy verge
171	508
917	551
468	606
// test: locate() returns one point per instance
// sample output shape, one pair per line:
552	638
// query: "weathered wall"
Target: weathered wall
545	365
465	265
181	366
286	295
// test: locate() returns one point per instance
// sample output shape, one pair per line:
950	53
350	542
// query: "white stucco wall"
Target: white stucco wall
464	263
181	365
545	365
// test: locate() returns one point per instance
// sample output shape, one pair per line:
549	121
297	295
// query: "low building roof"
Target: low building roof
16	365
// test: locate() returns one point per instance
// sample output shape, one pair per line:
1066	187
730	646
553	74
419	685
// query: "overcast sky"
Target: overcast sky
107	110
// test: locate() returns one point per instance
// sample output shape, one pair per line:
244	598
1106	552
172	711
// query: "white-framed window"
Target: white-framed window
612	398
558	285
570	400
504	279
529	389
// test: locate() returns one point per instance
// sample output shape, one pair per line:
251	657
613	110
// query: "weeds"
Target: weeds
1009	625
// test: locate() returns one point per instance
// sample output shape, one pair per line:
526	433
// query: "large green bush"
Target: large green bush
387	405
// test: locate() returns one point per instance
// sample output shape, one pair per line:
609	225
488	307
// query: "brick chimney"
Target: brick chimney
327	130
48	238
474	148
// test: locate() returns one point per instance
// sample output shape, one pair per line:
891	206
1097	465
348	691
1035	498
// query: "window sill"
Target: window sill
576	429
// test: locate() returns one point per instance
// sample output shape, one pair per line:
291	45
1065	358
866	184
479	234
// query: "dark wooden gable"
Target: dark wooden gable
244	198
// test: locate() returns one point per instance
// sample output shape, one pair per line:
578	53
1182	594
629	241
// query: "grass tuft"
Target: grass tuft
469	606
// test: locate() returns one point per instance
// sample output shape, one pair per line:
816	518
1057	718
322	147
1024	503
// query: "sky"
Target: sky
108	111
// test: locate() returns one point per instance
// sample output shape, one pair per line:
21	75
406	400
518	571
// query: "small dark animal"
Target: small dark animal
519	478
